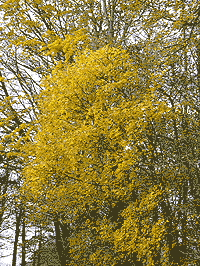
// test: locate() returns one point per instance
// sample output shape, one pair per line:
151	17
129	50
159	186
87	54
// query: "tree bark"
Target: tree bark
18	219
40	247
23	241
59	244
65	236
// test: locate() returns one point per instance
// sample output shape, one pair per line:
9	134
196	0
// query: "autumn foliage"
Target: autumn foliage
113	145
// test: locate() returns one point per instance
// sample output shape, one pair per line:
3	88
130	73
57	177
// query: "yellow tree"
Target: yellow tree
168	149
89	115
27	33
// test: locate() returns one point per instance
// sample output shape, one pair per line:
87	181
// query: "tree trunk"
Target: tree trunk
18	219
23	242
59	244
40	247
65	236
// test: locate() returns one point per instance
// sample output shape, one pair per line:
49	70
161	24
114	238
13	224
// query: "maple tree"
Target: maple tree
153	80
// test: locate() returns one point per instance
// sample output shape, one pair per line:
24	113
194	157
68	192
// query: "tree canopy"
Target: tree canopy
108	138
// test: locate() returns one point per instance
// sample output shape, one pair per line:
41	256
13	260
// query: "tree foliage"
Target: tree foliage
112	140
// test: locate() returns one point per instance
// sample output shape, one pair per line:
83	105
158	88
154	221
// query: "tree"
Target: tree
80	116
167	147
18	221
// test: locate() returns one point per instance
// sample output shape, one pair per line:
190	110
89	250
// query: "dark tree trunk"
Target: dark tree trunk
23	242
40	247
59	244
18	220
65	236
